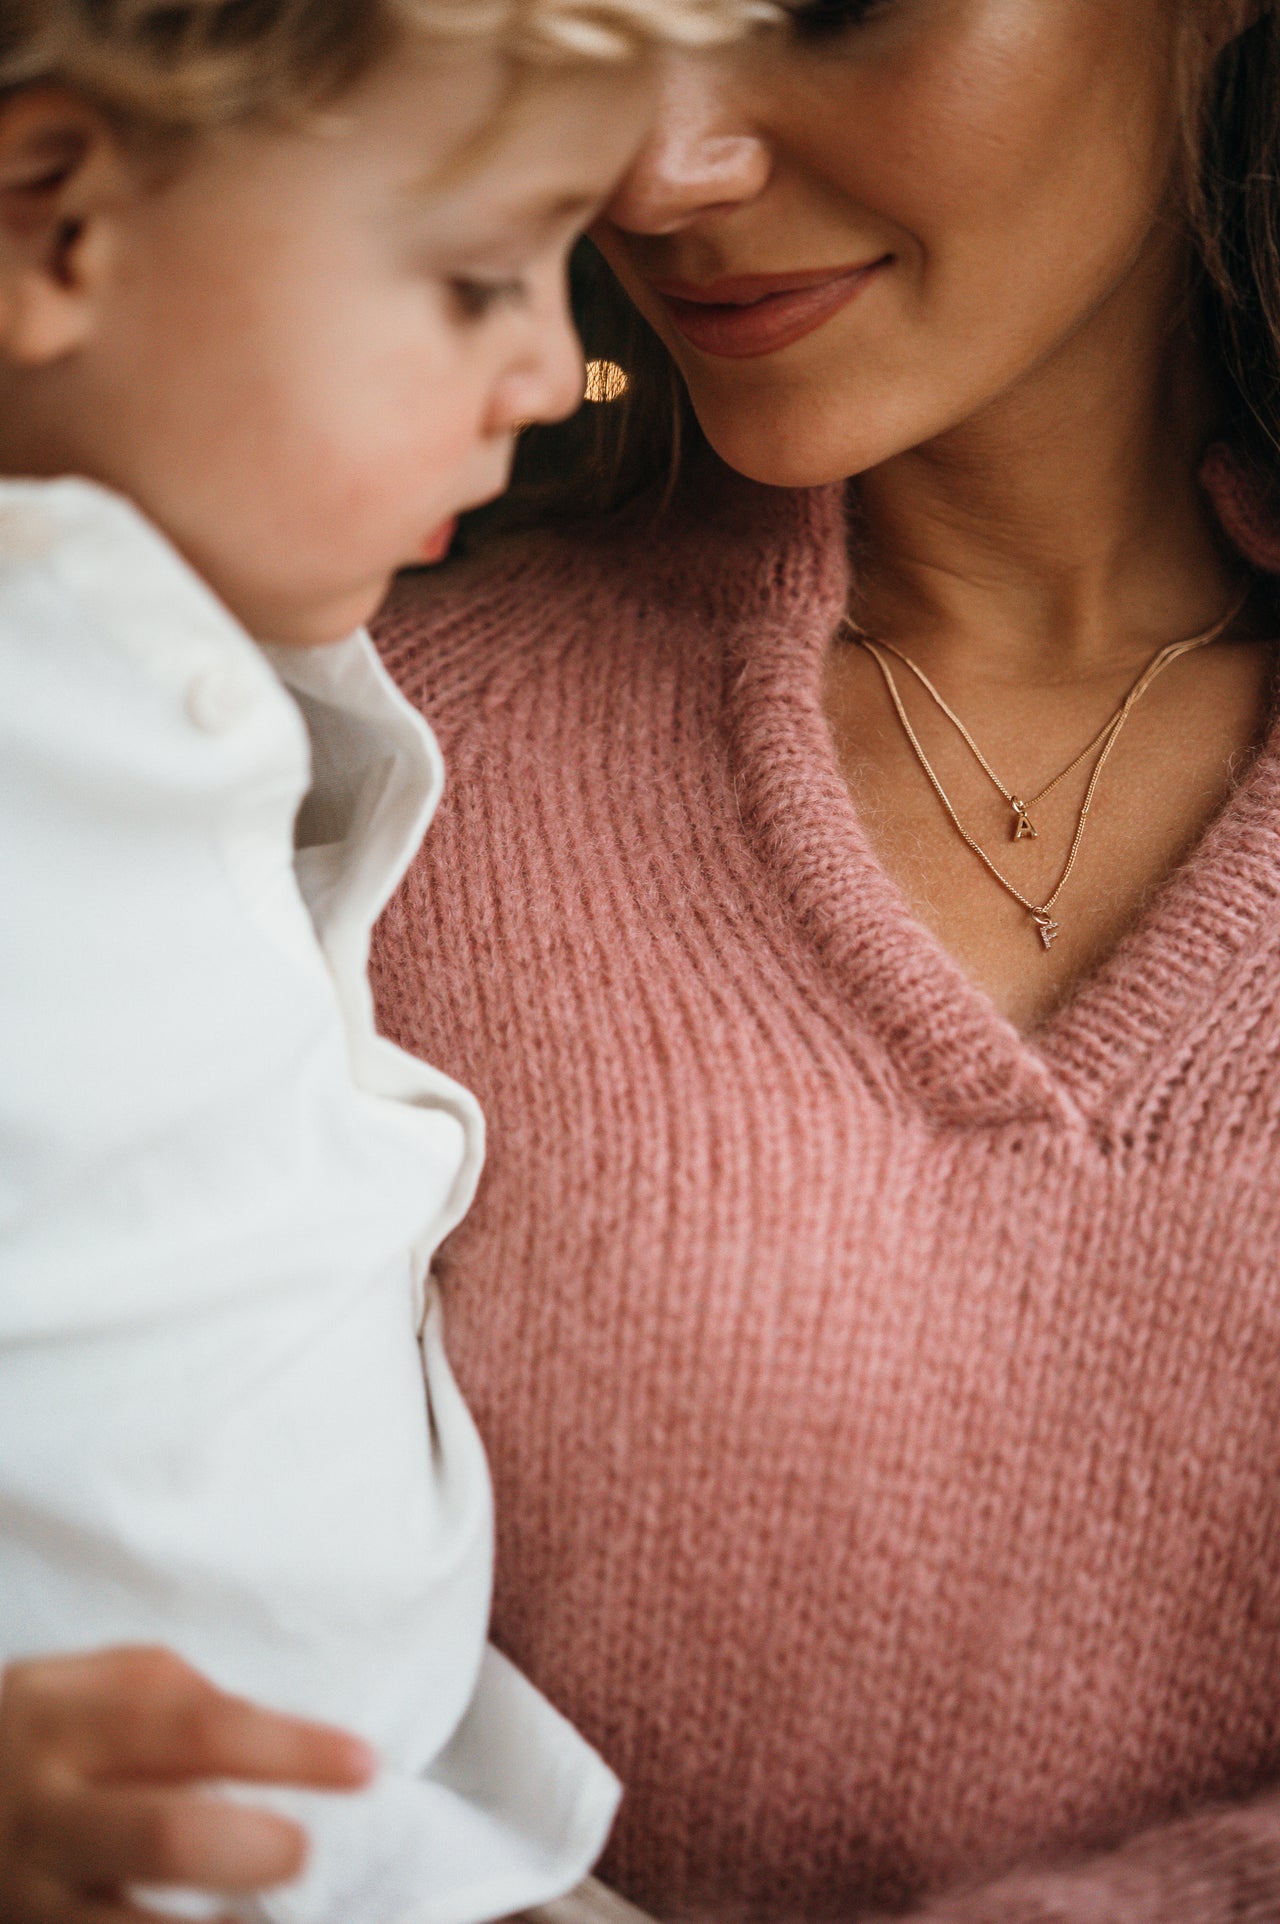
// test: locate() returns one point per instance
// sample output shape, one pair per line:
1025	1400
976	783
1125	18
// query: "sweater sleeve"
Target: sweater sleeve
1220	1865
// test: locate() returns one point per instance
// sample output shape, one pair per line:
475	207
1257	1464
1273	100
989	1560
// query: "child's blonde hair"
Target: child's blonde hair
183	66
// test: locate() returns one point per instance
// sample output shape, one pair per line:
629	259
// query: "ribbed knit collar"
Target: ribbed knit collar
773	572
757	579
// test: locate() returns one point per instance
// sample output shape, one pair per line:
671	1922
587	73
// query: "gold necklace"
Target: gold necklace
1104	741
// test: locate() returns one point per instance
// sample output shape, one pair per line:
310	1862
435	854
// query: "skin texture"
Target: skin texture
1018	392
341	326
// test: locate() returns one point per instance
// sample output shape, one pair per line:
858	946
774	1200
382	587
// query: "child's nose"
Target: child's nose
545	385
702	157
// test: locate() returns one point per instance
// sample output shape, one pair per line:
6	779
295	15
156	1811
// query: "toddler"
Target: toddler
278	285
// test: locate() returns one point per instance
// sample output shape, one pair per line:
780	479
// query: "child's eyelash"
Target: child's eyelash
475	298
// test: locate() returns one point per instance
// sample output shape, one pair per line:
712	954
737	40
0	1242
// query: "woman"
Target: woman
871	1309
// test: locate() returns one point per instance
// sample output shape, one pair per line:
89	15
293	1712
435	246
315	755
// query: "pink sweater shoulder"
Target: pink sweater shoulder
882	1410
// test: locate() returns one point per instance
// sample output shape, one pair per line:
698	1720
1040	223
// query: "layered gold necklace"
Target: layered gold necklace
1021	826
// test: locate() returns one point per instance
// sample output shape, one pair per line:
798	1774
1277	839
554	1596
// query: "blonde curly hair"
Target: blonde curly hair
185	66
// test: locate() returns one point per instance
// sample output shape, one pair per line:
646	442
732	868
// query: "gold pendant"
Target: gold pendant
1023	825
1049	930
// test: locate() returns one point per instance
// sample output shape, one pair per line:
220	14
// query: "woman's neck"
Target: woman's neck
1062	531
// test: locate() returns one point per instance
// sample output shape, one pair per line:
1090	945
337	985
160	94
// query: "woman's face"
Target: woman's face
881	222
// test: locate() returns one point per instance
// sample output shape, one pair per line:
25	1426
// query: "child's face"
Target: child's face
311	349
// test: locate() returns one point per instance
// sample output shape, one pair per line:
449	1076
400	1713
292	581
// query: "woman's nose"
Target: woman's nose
702	157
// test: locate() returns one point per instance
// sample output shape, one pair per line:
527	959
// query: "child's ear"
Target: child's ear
62	180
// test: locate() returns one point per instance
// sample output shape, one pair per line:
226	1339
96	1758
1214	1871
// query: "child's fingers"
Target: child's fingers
143	1713
46	1902
211	1735
130	1914
108	1911
101	1838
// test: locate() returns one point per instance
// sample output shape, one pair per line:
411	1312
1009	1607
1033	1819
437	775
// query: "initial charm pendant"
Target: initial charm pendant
1049	930
1024	827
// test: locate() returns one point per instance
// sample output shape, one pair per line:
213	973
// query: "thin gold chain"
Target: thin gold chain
1041	913
1022	823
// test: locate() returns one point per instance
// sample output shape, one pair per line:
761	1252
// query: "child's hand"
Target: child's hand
97	1754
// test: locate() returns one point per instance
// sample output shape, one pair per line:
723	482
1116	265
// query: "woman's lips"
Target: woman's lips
751	314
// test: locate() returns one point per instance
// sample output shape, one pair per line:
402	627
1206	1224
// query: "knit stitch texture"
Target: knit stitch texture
884	1410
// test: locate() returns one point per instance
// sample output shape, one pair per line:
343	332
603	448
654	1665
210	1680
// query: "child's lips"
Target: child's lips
436	545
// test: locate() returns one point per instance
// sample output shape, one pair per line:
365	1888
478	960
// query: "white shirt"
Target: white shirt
219	1191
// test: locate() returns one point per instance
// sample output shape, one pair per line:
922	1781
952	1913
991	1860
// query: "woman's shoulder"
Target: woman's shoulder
718	559
458	623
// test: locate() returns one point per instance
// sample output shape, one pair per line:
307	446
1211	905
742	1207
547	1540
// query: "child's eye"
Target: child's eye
473	299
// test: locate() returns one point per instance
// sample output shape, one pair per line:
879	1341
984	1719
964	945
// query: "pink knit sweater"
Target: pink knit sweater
884	1411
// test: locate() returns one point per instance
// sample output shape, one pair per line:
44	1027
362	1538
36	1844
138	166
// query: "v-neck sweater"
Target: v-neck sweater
883	1407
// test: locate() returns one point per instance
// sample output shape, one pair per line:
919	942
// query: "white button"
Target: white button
221	699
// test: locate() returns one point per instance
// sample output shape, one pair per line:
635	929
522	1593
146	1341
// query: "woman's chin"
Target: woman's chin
783	451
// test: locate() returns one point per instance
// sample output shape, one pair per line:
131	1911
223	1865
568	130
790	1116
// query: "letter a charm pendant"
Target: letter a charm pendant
1049	930
1024	827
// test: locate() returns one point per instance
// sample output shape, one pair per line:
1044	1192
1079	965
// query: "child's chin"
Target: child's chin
325	627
